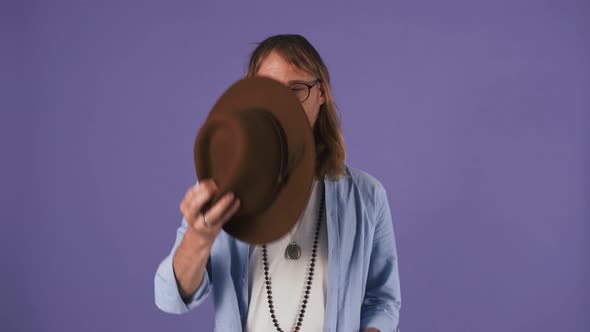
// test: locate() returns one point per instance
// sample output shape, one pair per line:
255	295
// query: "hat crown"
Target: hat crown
246	152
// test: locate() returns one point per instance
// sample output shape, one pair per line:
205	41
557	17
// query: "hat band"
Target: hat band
284	153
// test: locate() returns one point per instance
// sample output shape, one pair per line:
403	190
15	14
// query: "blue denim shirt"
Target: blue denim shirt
363	279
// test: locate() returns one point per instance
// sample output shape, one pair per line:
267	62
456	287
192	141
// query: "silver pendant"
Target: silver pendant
293	251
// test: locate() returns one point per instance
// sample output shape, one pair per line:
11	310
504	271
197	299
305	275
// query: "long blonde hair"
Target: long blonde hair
330	149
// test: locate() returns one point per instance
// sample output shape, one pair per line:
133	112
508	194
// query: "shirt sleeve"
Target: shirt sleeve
382	302
167	295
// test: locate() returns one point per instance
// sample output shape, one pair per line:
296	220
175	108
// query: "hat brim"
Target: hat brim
291	200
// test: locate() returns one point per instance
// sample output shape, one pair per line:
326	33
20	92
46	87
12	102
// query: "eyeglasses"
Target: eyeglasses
302	90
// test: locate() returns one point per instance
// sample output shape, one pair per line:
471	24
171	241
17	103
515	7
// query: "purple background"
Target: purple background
473	114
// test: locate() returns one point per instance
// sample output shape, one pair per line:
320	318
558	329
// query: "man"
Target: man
340	274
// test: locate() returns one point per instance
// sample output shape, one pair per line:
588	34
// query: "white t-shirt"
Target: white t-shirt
289	277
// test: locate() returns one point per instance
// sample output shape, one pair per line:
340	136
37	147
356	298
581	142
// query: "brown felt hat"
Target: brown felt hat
258	143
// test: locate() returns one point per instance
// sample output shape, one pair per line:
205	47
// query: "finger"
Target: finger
208	184
190	192
230	212
206	188
188	196
216	211
204	192
182	207
185	205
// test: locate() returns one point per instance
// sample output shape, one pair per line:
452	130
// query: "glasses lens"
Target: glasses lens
300	90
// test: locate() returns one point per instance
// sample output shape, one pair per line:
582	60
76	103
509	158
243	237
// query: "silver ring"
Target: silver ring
204	219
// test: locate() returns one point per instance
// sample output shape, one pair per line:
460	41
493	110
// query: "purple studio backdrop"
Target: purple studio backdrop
473	114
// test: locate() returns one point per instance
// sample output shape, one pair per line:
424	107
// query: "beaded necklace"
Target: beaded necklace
309	275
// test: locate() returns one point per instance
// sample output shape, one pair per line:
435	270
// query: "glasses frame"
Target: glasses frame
309	87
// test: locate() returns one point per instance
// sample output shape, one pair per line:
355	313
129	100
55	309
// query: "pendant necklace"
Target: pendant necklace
293	250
